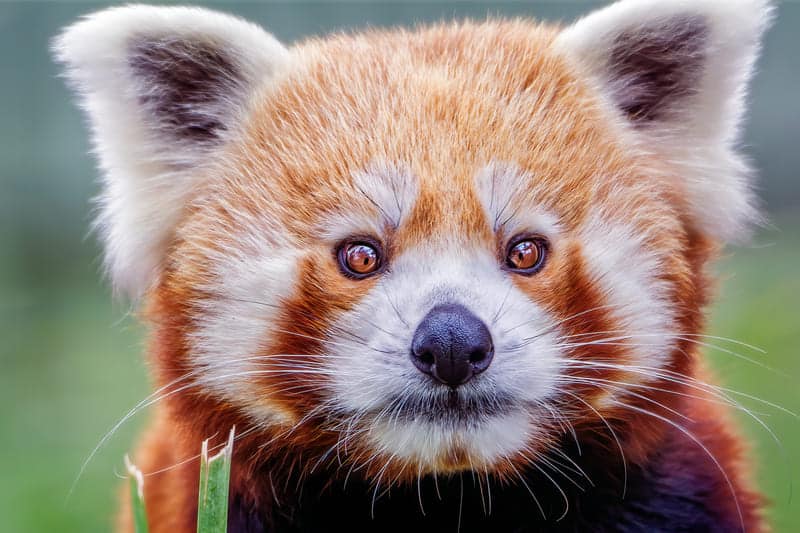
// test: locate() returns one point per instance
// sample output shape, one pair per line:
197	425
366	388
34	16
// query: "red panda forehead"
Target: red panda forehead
441	106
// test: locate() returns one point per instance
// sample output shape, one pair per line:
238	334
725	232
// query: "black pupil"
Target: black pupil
523	252
361	256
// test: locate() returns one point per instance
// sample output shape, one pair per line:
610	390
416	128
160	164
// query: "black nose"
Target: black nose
452	345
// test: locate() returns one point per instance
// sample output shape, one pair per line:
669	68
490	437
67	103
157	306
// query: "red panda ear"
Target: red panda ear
676	72
164	88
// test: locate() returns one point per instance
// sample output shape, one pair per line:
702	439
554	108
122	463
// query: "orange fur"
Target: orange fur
437	106
445	100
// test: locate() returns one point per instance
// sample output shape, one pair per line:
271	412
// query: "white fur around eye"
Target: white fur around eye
366	376
506	196
388	190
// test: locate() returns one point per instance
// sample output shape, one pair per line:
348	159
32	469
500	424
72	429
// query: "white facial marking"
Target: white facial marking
390	191
419	442
627	274
246	293
375	378
507	197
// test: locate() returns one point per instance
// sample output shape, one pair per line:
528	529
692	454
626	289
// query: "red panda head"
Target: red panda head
420	251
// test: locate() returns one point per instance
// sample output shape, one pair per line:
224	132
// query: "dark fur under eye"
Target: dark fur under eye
526	254
359	259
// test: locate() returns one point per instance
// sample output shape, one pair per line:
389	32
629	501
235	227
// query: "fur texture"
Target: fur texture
163	89
235	169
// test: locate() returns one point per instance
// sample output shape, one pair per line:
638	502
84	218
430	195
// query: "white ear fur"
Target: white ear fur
676	71
163	88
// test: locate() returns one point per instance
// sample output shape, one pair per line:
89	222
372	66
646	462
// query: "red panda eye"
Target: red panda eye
359	259
526	254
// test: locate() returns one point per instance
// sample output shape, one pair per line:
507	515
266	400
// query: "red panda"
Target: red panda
444	278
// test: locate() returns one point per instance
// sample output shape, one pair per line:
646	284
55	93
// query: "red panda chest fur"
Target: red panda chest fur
448	278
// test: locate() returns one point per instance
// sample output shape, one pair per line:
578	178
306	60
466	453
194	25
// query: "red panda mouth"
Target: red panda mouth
453	407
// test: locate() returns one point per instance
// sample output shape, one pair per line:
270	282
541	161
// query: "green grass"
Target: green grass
212	498
72	366
136	488
759	303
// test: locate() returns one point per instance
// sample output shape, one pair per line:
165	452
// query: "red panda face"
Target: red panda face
438	266
431	251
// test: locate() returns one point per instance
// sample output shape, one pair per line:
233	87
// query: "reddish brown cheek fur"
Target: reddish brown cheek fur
303	326
394	103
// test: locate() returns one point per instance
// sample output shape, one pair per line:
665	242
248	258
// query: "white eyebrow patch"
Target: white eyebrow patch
509	201
389	189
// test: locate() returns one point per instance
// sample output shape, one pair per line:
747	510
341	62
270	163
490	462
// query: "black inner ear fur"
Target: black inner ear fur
185	87
654	68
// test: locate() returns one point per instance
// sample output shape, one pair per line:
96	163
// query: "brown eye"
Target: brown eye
526	254
359	259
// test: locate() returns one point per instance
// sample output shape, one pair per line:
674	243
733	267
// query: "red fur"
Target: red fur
447	100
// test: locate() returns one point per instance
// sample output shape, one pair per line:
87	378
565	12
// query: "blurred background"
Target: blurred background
70	358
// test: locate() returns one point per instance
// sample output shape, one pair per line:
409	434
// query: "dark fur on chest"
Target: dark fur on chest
679	489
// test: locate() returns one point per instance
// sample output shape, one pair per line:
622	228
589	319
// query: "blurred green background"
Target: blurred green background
70	358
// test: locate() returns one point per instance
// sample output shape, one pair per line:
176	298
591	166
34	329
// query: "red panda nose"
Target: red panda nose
452	345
